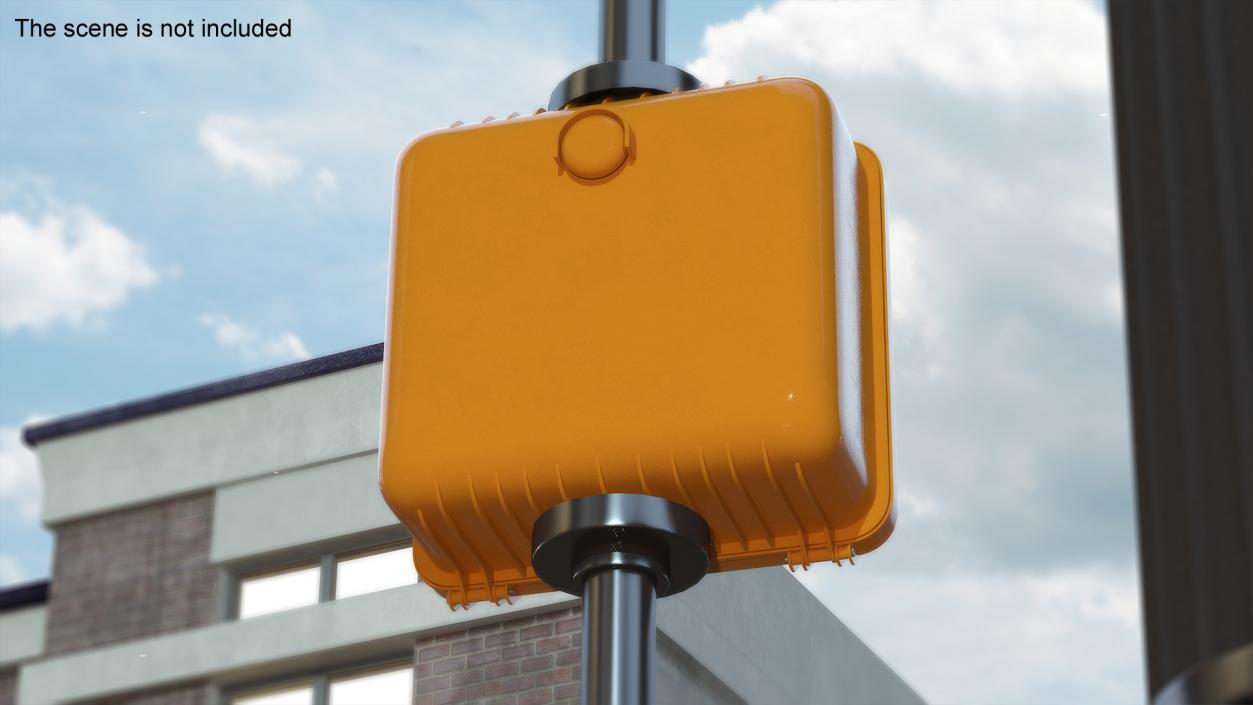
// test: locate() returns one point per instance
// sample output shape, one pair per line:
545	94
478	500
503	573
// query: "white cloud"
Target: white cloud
1031	50
11	570
917	294
250	343
65	266
236	143
1010	578
996	637
350	115
285	345
325	182
20	485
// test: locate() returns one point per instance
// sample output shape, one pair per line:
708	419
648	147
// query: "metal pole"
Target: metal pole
1182	76
632	58
632	30
620	552
619	637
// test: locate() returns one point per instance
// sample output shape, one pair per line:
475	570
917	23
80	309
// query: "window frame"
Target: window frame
326	555
395	664
319	679
337	558
227	696
238	600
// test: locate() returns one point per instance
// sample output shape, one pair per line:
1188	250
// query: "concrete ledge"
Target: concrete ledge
342	630
770	640
211	444
42	431
759	633
274	513
22	634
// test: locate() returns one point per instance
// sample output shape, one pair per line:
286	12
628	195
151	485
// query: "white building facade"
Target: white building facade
228	544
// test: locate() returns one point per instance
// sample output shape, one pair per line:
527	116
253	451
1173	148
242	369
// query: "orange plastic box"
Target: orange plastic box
681	295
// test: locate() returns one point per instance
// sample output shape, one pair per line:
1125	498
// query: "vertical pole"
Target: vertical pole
632	58
619	637
1183	98
632	30
619	605
620	552
619	616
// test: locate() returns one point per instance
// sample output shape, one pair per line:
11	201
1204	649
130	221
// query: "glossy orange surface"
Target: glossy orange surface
680	295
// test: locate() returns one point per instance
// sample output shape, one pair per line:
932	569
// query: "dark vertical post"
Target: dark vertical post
632	58
632	30
1183	73
619	637
620	552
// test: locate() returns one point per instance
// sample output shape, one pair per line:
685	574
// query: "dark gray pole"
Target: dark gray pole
620	552
1183	99
632	30
632	58
619	637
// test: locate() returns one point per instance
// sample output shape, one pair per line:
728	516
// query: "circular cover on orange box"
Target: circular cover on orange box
593	145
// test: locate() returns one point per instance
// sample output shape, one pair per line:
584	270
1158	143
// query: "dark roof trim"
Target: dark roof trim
24	595
129	411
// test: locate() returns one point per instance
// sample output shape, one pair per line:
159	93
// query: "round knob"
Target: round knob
593	145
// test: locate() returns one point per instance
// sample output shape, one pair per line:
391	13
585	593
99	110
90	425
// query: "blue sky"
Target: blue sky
116	127
113	125
180	210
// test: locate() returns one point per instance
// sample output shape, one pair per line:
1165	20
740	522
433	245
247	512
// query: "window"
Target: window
380	570
389	684
277	591
288	695
390	687
331	576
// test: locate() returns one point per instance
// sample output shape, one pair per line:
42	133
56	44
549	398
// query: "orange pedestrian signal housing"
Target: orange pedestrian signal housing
680	295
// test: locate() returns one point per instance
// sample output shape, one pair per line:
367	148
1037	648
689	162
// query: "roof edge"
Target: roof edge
37	433
24	595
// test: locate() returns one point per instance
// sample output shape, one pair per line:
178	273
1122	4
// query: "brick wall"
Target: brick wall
132	573
526	661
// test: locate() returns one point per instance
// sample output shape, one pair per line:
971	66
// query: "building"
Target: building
228	544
